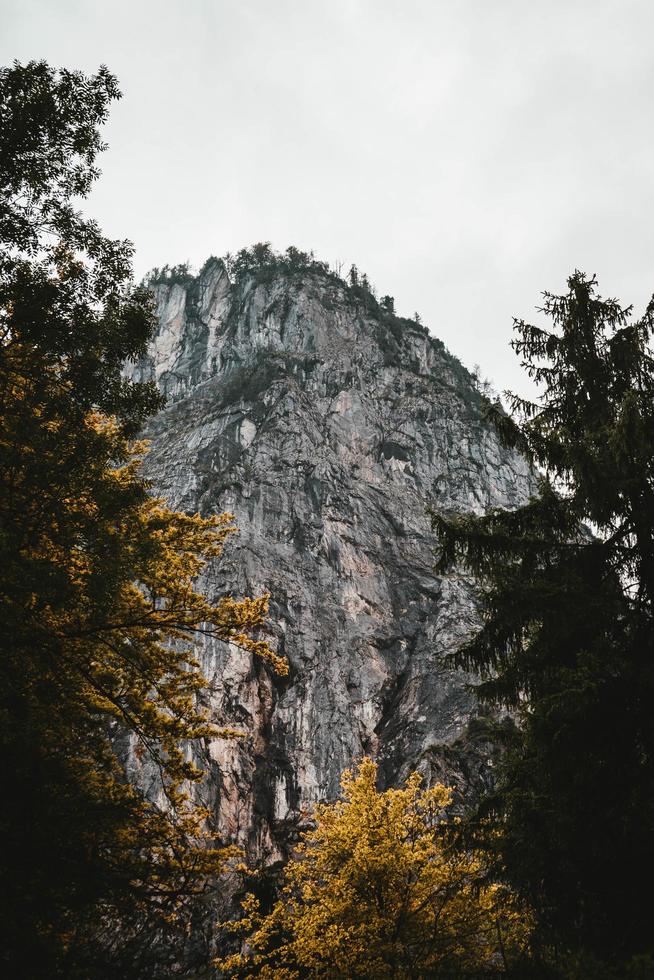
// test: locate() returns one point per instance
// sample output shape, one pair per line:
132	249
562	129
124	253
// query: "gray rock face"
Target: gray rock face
326	430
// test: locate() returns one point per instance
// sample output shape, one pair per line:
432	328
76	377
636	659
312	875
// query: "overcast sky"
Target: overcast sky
466	154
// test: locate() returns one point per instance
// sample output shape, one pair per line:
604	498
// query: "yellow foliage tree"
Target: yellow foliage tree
376	892
98	604
100	611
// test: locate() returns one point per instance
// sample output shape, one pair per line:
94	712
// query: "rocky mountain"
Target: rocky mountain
326	424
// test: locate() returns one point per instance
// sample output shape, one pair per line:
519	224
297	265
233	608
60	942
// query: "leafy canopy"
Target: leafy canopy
376	892
97	594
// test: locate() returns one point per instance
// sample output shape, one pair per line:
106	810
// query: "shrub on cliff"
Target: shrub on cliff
261	261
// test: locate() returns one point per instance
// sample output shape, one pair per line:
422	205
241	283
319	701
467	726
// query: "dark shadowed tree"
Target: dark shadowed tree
567	643
96	579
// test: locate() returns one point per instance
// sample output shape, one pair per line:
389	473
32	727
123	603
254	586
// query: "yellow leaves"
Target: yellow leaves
376	892
127	650
234	620
100	584
161	553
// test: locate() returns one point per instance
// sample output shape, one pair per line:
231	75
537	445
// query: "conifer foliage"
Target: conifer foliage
567	642
97	594
376	892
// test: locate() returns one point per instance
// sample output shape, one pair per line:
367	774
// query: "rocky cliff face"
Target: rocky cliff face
326	428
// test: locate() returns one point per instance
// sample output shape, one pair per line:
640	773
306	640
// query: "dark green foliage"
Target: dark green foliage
90	318
49	140
262	262
79	851
66	328
172	275
568	637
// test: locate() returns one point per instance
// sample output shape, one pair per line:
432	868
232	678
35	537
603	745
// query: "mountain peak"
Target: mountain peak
235	307
326	424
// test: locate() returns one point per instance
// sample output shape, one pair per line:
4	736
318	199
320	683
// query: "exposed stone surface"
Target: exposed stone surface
326	431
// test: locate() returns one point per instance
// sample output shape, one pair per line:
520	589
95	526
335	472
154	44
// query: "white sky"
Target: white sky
466	154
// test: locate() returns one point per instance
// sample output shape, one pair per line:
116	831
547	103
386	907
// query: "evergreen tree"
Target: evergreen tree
97	598
567	640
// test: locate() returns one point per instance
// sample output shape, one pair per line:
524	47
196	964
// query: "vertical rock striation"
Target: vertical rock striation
326	427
